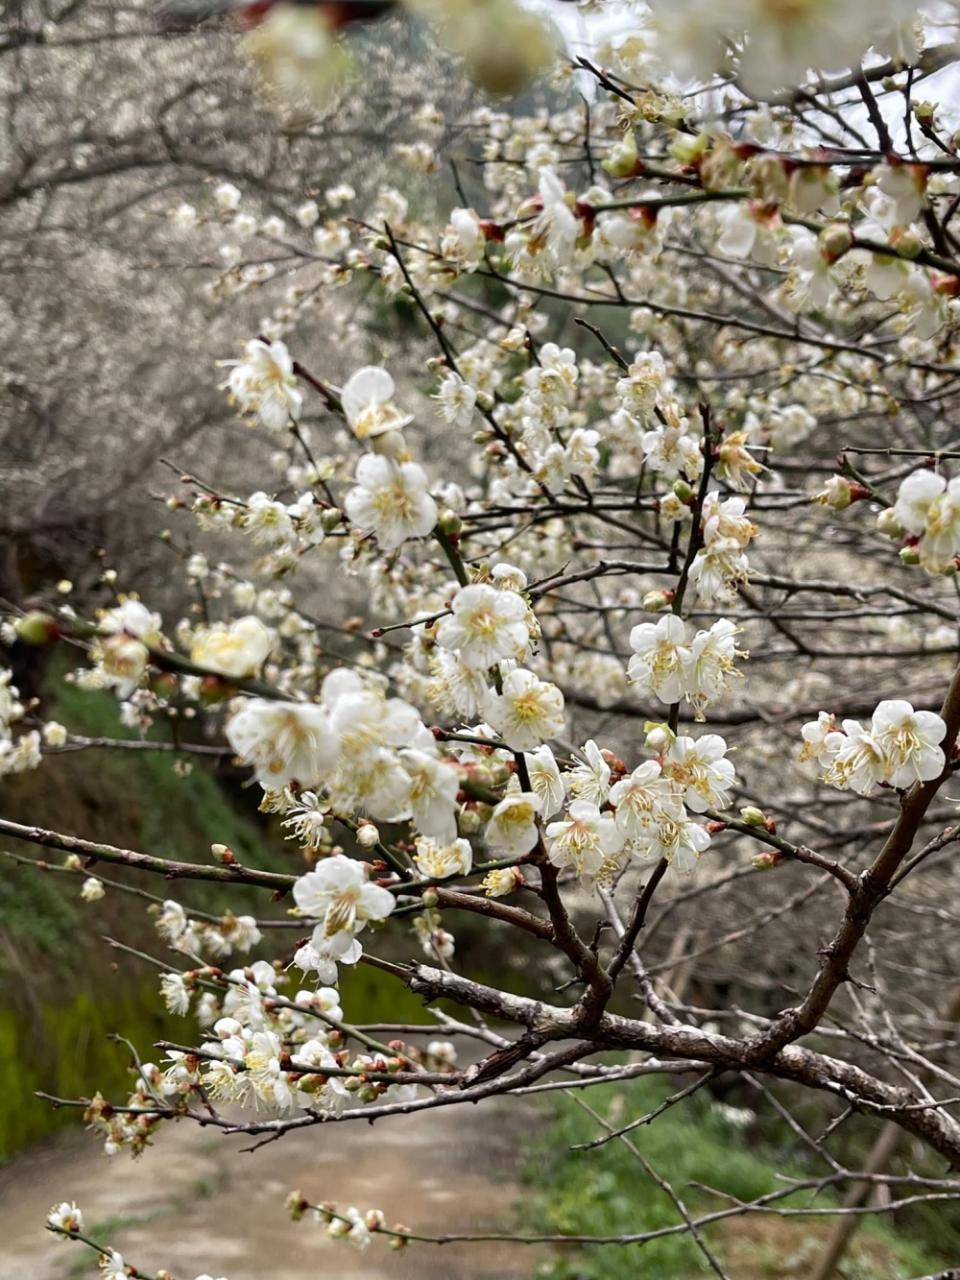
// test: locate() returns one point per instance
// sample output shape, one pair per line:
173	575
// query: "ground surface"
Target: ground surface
197	1204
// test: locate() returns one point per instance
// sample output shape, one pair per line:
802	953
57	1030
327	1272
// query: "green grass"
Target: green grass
606	1191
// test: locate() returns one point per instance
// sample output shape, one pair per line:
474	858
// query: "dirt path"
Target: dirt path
197	1204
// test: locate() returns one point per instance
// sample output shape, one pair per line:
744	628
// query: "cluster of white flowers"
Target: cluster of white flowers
66	1220
671	667
22	753
649	809
193	936
361	750
722	562
605	821
928	511
775	44
127	632
900	747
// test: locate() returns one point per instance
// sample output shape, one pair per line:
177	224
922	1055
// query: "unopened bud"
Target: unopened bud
683	490
368	835
331	518
906	242
36	628
450	523
658	737
430	897
214	689
888	524
835	240
909	556
468	822
753	816
224	855
925	112
621	161
837	494
767	861
655	601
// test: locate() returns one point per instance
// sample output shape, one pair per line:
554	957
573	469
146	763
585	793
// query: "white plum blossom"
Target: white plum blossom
556	226
512	829
339	893
227	196
132	618
527	711
900	747
485	626
660	653
546	779
437	862
284	741
455	401
433	794
500	882
643	799
391	500
176	993
589	779
928	506
368	404
701	769
92	889
463	240
585	839
238	649
65	1217
910	740
264	384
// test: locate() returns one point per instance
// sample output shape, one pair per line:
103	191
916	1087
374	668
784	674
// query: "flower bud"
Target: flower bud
214	689
925	112
906	242
331	518
655	601
659	737
837	494
430	898
450	523
468	822
909	556
36	628
753	816
835	240
683	490
368	835
767	861
224	855
888	524
621	161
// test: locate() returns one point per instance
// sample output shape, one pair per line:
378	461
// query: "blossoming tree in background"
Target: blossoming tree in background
631	666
